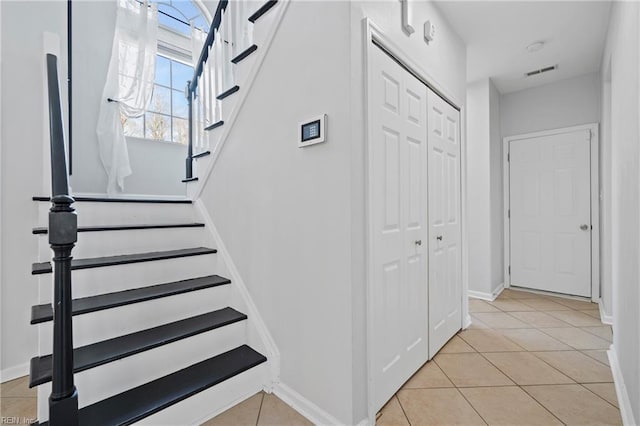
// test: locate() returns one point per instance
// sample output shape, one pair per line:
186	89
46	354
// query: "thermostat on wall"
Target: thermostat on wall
313	131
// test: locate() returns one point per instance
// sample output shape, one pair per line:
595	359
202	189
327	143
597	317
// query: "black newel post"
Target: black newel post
189	160
63	402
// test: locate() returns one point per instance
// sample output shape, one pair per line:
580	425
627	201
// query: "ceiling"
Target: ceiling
497	33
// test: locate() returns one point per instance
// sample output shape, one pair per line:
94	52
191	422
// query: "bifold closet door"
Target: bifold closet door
445	257
398	155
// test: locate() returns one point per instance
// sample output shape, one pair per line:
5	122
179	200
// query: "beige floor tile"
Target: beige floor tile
545	305
489	340
594	314
244	414
510	293
598	355
277	413
476	323
500	320
455	346
577	338
538	319
512	305
575	318
606	391
576	304
470	370
535	340
575	405
603	331
429	376
438	407
508	405
392	414
578	366
525	368
18	387
18	408
476	305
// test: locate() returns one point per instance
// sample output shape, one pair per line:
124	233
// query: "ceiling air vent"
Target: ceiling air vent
541	70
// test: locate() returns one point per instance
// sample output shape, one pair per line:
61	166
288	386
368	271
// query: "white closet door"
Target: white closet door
445	257
550	197
398	111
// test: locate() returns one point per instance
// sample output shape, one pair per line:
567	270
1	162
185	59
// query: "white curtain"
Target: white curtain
129	83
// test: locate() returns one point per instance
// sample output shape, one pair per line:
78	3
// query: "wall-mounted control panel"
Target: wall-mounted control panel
312	131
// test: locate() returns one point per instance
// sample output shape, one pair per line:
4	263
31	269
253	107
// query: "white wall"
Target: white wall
484	194
566	103
23	124
158	168
623	45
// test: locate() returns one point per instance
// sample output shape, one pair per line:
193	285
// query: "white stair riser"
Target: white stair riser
211	402
112	243
109	323
243	67
263	26
91	214
229	104
108	279
113	378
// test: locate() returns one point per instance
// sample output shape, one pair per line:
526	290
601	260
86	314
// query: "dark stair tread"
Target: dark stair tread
97	262
242	55
263	9
100	353
214	125
84	305
44	229
191	179
202	154
228	92
140	402
122	200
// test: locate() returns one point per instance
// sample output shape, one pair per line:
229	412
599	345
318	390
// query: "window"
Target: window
166	118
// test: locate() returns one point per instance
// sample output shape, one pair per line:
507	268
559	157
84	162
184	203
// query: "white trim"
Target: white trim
254	317
487	296
372	32
595	200
243	95
11	373
626	410
304	406
467	322
606	319
131	196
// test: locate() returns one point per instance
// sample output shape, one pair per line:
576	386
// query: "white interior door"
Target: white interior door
550	202
398	104
445	257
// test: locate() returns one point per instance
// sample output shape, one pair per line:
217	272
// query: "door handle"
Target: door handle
439	237
584	227
418	242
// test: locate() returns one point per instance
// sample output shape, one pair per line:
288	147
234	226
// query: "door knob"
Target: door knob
584	227
418	242
439	237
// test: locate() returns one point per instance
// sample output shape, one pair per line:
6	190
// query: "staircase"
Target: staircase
145	324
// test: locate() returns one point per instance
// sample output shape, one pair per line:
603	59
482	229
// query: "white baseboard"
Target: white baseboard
305	407
490	297
626	411
606	319
467	322
14	372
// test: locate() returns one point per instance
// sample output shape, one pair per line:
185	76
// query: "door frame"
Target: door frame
595	200
375	38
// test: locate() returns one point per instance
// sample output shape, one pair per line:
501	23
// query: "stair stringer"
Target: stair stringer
258	335
245	88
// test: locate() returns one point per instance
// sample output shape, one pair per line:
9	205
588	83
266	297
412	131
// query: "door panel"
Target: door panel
445	263
398	105
550	198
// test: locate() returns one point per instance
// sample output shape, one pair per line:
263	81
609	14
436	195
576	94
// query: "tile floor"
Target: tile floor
527	359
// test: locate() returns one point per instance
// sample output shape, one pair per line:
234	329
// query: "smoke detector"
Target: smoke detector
541	70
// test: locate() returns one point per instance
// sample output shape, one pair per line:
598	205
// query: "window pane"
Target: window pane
170	22
132	126
180	105
163	71
160	100
181	74
180	131
157	127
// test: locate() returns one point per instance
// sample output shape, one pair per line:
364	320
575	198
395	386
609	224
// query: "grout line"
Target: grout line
541	404
402	408
472	406
260	409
